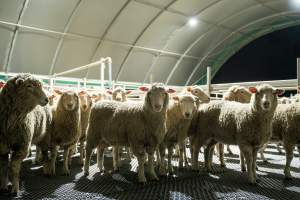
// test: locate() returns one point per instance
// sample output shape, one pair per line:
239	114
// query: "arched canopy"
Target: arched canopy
148	40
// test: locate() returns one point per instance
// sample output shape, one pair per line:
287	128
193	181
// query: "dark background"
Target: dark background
270	57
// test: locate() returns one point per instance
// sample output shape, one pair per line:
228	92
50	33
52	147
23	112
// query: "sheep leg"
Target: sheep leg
51	170
162	166
81	149
181	155
38	155
242	162
67	153
88	154
247	153
254	154
289	157
170	154
262	156
229	150
208	155
221	155
140	154
15	166
195	151
116	160
3	172
100	158
152	173
129	153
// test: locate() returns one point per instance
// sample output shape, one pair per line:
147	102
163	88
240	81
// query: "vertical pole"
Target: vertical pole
298	75
84	83
51	84
208	80
102	67
110	73
151	78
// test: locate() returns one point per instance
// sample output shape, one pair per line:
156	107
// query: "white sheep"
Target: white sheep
24	119
140	125
198	92
66	130
85	110
179	115
239	94
245	125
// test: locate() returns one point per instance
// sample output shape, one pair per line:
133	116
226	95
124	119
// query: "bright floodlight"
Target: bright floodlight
193	22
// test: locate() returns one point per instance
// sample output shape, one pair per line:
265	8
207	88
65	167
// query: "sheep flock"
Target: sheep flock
148	130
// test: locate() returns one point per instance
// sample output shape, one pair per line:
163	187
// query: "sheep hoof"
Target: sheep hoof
154	178
86	174
256	168
3	191
253	183
66	174
243	169
171	173
257	180
288	178
223	165
142	180
13	194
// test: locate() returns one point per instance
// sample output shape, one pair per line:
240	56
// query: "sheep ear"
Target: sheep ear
253	90
280	91
58	92
170	91
109	92
176	98
128	91
19	81
2	84
144	89
189	89
82	92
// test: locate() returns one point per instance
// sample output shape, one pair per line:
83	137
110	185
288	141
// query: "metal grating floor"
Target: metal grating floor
224	184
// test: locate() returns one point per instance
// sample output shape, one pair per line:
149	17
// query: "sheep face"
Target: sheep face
85	101
187	104
157	98
265	96
70	100
198	92
31	90
119	94
242	94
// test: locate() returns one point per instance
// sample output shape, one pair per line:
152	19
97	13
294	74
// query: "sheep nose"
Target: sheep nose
187	114
118	99
46	100
157	106
70	104
266	104
84	106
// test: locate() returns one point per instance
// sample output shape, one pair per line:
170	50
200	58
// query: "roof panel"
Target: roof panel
284	5
162	68
191	7
131	22
92	17
223	9
33	53
186	36
5	35
136	66
51	15
208	41
74	53
10	9
116	53
182	72
162	30
250	14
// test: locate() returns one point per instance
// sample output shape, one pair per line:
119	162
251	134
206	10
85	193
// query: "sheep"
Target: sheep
246	125
85	110
239	94
119	94
66	129
24	119
179	115
198	92
140	125
100	96
284	100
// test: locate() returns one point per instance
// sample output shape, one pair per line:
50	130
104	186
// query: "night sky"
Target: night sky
271	57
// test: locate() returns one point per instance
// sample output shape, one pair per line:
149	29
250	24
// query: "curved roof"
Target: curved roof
148	40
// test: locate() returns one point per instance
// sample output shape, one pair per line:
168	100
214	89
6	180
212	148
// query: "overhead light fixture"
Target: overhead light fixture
193	22
296	3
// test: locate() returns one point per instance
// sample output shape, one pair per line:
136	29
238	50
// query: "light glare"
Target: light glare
193	22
